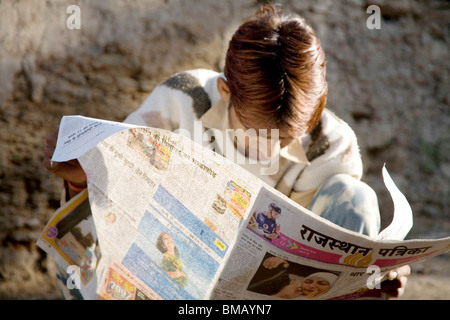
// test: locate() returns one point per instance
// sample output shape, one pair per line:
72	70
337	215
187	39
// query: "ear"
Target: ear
224	90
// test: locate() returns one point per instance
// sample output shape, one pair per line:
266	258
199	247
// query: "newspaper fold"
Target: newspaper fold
403	217
164	218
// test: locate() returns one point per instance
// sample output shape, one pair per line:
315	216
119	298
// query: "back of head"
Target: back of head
275	68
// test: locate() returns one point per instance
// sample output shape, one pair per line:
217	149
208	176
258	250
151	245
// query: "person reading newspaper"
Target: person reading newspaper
273	94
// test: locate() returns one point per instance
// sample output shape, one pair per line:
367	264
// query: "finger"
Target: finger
403	271
390	285
49	151
51	141
66	170
47	160
46	163
392	275
272	263
64	167
48	155
267	263
74	163
394	288
53	138
403	282
54	167
313	293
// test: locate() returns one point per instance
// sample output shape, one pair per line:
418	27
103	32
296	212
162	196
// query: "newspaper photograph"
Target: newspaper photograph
165	218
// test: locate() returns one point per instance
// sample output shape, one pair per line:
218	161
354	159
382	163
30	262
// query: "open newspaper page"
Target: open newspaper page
311	258
165	218
166	211
70	238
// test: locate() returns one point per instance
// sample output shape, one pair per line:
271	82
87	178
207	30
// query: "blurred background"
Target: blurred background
390	84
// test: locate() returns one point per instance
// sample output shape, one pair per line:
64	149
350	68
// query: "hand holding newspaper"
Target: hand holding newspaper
164	218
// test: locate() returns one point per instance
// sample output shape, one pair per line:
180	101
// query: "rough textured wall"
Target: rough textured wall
391	85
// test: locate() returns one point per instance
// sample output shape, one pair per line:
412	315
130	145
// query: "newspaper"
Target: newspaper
165	218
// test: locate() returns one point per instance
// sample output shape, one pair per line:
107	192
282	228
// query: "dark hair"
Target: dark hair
275	69
162	247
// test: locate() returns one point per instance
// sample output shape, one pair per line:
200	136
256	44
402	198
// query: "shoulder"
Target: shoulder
331	136
199	84
178	101
190	79
331	148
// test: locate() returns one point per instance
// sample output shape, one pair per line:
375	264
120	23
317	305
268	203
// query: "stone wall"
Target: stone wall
391	85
